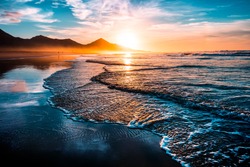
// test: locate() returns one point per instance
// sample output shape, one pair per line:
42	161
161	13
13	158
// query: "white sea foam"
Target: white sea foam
164	144
135	124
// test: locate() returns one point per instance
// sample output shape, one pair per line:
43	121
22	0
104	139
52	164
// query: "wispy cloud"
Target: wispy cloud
59	3
35	14
28	14
97	18
8	17
79	9
98	13
39	2
73	32
238	16
23	1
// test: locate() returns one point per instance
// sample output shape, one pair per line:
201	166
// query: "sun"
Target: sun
127	39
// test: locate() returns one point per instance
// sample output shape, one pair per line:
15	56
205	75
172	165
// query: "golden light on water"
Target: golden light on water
127	61
128	54
127	68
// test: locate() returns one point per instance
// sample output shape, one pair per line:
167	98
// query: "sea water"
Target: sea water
198	102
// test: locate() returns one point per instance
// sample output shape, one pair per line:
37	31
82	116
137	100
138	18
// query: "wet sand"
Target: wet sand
33	134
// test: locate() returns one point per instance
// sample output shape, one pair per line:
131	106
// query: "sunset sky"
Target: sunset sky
156	25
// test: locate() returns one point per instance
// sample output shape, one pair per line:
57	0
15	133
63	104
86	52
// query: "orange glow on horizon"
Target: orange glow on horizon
196	44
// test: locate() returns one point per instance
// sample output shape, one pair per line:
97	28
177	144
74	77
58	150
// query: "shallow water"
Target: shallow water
198	102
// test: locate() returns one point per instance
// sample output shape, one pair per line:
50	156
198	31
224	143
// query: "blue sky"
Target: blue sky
158	24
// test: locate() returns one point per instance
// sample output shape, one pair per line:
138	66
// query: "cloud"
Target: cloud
59	3
153	10
115	11
238	33
108	18
39	2
23	1
10	17
79	9
70	32
97	18
238	16
91	24
35	15
28	14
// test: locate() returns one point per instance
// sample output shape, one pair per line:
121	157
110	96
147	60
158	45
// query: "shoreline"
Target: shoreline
13	55
48	137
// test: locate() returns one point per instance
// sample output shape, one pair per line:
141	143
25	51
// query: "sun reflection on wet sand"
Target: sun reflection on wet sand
127	68
127	61
128	54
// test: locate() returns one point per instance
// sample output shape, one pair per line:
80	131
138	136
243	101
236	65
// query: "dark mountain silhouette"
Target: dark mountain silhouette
43	43
98	43
7	40
4	35
102	44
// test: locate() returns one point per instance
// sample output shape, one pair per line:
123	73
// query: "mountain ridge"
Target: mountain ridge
44	43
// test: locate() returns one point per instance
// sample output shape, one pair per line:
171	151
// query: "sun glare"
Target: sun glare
127	39
128	54
127	61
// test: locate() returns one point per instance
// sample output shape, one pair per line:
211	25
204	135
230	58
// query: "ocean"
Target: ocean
198	102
